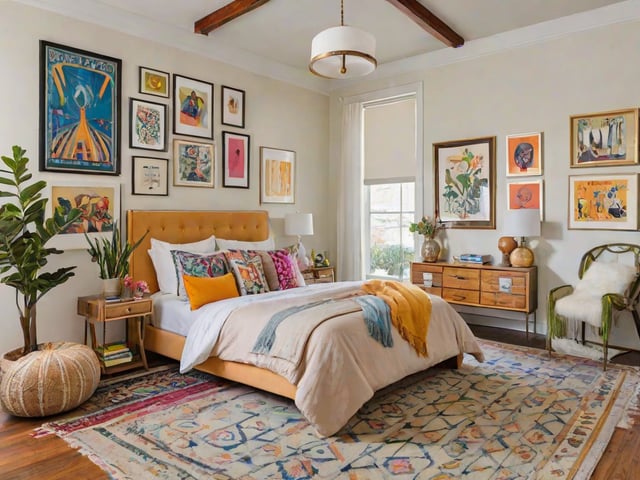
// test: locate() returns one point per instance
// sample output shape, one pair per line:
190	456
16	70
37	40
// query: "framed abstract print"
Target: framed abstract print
153	82
150	176
603	202
100	205
232	105
277	175
193	164
524	154
526	195
604	139
148	125
465	180
192	107
235	160
79	110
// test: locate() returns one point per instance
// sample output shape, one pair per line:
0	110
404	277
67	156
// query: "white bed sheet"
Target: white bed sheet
172	312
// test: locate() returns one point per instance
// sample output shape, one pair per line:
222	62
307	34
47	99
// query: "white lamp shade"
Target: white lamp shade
328	47
523	222
298	224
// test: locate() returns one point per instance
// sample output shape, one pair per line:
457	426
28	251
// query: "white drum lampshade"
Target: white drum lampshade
522	223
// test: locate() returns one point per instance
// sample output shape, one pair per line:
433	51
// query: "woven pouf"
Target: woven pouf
56	378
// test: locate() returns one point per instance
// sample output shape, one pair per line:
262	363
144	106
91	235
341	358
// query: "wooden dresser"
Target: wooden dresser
486	286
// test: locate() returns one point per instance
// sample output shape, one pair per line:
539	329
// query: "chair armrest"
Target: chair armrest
555	325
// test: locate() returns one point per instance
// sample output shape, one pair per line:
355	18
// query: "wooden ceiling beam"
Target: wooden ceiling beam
428	21
225	14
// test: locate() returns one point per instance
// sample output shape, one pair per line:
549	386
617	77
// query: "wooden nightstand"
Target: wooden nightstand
96	310
319	275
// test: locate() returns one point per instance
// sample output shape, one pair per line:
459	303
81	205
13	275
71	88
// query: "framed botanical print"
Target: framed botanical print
100	205
79	110
193	164
192	107
466	182
277	175
603	202
524	154
526	195
604	139
153	82
235	160
148	125
150	176
232	106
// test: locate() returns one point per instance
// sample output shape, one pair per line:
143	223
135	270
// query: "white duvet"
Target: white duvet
342	366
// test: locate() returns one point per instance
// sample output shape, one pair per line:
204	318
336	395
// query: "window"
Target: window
390	245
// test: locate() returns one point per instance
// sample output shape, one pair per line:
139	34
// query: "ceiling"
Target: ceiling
275	38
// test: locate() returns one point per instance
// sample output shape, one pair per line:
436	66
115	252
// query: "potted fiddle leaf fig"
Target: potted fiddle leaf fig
24	233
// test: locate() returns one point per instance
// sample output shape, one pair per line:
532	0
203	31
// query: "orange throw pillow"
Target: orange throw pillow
203	290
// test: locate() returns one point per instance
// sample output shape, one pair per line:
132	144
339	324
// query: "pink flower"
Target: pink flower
128	281
141	286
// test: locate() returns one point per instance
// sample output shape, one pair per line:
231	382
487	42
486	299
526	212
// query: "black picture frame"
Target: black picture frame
150	176
232	106
195	120
236	148
147	125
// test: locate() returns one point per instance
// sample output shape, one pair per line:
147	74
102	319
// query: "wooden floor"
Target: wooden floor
22	457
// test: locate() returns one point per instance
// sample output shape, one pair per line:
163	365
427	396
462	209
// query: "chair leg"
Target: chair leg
583	339
605	345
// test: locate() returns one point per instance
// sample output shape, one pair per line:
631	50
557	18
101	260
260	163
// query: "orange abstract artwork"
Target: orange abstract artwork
600	200
524	195
278	178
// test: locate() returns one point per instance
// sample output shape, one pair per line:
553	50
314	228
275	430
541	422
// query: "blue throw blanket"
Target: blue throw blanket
377	318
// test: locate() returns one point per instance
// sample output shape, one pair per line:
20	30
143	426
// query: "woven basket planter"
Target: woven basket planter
54	379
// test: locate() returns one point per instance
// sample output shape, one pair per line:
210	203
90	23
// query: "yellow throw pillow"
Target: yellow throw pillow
203	290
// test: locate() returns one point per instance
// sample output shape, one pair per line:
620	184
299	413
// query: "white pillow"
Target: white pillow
223	244
160	253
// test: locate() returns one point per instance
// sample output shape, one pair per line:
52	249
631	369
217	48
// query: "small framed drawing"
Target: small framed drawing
603	202
79	110
232	105
604	139
465	173
277	175
524	154
192	107
193	164
150	176
153	82
526	195
100	205
235	160
148	125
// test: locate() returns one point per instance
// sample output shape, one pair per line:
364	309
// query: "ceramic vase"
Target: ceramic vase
430	250
111	287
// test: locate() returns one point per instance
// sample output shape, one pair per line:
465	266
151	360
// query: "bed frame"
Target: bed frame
180	226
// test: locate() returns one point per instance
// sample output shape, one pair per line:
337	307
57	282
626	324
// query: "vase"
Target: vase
430	250
111	287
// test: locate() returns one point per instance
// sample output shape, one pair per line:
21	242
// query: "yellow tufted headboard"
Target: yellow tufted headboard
184	226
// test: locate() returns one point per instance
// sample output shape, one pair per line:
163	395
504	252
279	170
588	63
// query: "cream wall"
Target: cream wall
531	89
277	115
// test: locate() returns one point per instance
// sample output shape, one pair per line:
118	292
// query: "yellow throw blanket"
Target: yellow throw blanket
410	310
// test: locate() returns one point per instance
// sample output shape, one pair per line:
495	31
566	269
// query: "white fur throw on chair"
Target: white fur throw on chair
585	303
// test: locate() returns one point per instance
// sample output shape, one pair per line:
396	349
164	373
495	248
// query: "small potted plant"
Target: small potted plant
428	227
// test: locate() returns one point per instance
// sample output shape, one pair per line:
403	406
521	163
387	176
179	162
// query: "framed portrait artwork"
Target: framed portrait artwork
235	160
524	195
192	107
465	182
148	125
193	164
524	154
603	202
604	139
277	175
232	106
79	110
150	176
100	205
153	82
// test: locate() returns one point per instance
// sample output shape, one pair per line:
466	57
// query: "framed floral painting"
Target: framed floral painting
193	164
465	182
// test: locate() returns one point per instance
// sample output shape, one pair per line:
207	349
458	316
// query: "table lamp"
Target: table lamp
522	223
299	224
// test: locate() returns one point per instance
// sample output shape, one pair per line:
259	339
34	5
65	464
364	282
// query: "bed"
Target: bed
448	338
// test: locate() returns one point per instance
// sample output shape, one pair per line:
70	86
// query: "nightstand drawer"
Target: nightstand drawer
117	310
465	278
457	295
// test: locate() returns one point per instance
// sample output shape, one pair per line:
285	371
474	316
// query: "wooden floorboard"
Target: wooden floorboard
25	458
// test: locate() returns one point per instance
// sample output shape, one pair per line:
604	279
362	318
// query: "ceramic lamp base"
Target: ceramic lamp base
521	257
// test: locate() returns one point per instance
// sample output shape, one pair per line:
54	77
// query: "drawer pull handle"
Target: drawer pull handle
459	277
128	309
458	297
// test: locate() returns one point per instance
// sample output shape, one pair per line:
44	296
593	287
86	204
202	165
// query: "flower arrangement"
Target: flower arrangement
139	287
427	227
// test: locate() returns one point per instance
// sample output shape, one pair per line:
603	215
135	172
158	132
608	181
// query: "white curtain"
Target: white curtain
350	195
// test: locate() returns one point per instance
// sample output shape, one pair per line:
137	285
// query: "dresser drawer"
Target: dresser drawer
464	278
501	281
457	295
504	300
432	290
433	270
139	307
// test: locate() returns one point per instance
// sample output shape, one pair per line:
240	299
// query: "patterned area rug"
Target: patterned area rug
521	414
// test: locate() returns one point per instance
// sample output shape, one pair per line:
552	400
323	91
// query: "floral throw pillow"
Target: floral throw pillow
198	265
284	267
247	268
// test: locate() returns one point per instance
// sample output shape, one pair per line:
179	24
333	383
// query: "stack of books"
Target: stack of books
114	354
475	258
